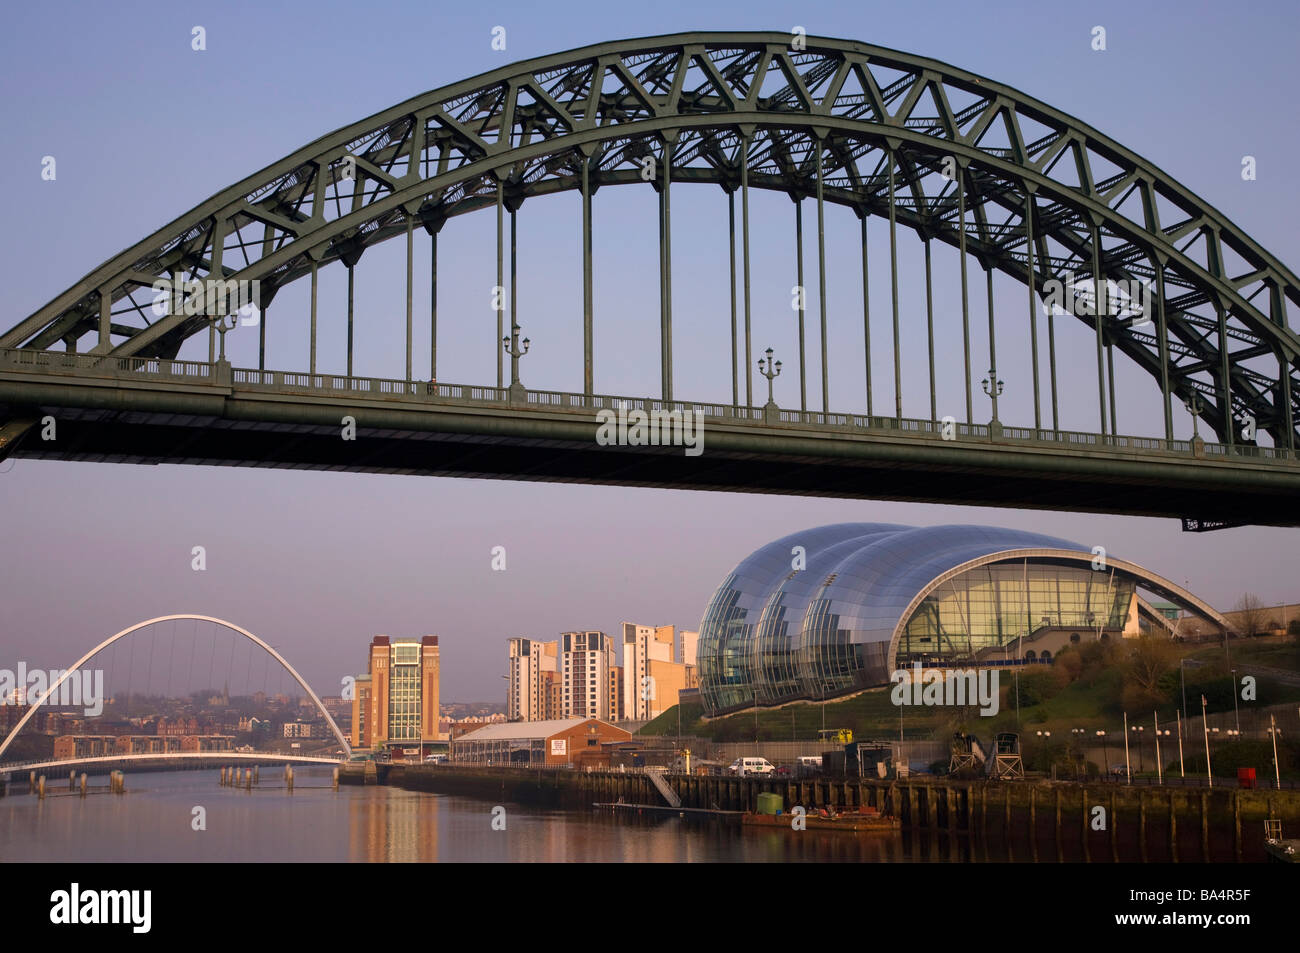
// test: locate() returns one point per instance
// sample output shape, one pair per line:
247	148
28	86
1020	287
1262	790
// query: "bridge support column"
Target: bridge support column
801	300
1228	434
731	246
866	306
312	358
410	288
1033	306
1110	381
1162	332
821	278
893	290
1051	359
744	228
929	326
433	305
965	298
588	374
1099	308
666	275
351	289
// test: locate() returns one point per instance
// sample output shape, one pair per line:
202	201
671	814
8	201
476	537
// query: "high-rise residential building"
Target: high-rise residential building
616	706
654	669
553	689
586	659
643	644
395	704
690	642
526	691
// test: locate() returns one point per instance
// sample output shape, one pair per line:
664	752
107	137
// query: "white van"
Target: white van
744	766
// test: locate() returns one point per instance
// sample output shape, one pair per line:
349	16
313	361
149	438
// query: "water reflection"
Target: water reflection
153	821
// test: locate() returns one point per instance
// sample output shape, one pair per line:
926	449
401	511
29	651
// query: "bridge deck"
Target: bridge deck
150	411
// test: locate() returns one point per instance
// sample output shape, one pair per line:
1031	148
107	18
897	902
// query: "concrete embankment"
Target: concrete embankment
1044	820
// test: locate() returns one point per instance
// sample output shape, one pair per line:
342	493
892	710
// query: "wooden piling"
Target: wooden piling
1173	829
1060	854
1142	824
1205	826
1083	797
1236	824
1114	830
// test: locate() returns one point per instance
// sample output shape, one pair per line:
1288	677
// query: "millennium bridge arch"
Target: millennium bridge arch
52	690
1015	185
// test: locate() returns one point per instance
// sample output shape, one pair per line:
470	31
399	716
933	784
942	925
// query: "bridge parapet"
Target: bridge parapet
428	393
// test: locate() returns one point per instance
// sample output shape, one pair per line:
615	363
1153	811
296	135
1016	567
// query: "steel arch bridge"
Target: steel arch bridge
1010	182
53	690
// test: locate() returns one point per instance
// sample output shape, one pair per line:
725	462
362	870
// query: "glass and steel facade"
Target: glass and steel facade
814	614
404	693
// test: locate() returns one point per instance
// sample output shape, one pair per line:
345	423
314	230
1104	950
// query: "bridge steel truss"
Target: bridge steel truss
1019	186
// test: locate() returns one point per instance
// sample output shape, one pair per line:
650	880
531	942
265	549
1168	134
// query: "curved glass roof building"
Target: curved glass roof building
835	609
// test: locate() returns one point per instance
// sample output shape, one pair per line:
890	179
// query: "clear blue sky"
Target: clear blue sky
144	128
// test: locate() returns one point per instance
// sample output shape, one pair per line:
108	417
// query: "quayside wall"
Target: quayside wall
1066	820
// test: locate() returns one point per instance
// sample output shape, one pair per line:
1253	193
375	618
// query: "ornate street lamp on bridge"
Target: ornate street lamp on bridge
993	388
771	370
511	344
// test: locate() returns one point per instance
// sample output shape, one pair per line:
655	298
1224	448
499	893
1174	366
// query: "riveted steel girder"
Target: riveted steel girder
844	106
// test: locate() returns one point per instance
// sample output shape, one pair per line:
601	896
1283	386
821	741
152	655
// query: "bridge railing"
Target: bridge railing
57	362
63	361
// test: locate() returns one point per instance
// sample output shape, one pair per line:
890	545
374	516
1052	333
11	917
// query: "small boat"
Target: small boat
867	820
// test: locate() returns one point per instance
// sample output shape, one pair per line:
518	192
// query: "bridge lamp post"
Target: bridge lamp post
993	389
512	346
1105	754
771	370
219	322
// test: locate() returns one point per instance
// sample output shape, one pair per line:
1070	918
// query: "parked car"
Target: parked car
744	766
1118	770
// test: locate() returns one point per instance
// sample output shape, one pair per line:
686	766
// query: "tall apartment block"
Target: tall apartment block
395	703
528	689
655	670
586	661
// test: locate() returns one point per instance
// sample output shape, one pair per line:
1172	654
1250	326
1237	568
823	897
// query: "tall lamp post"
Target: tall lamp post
993	389
771	369
1105	753
512	346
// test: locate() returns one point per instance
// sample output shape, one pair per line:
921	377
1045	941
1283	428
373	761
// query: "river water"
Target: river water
154	821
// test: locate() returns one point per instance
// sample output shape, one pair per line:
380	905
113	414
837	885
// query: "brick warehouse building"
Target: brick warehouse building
559	742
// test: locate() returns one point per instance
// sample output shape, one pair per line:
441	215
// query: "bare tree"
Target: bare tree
1250	614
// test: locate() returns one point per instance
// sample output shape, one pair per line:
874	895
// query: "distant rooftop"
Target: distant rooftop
530	730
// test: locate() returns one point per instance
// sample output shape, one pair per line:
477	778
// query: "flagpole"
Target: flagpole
1160	770
1128	766
1182	772
1205	725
